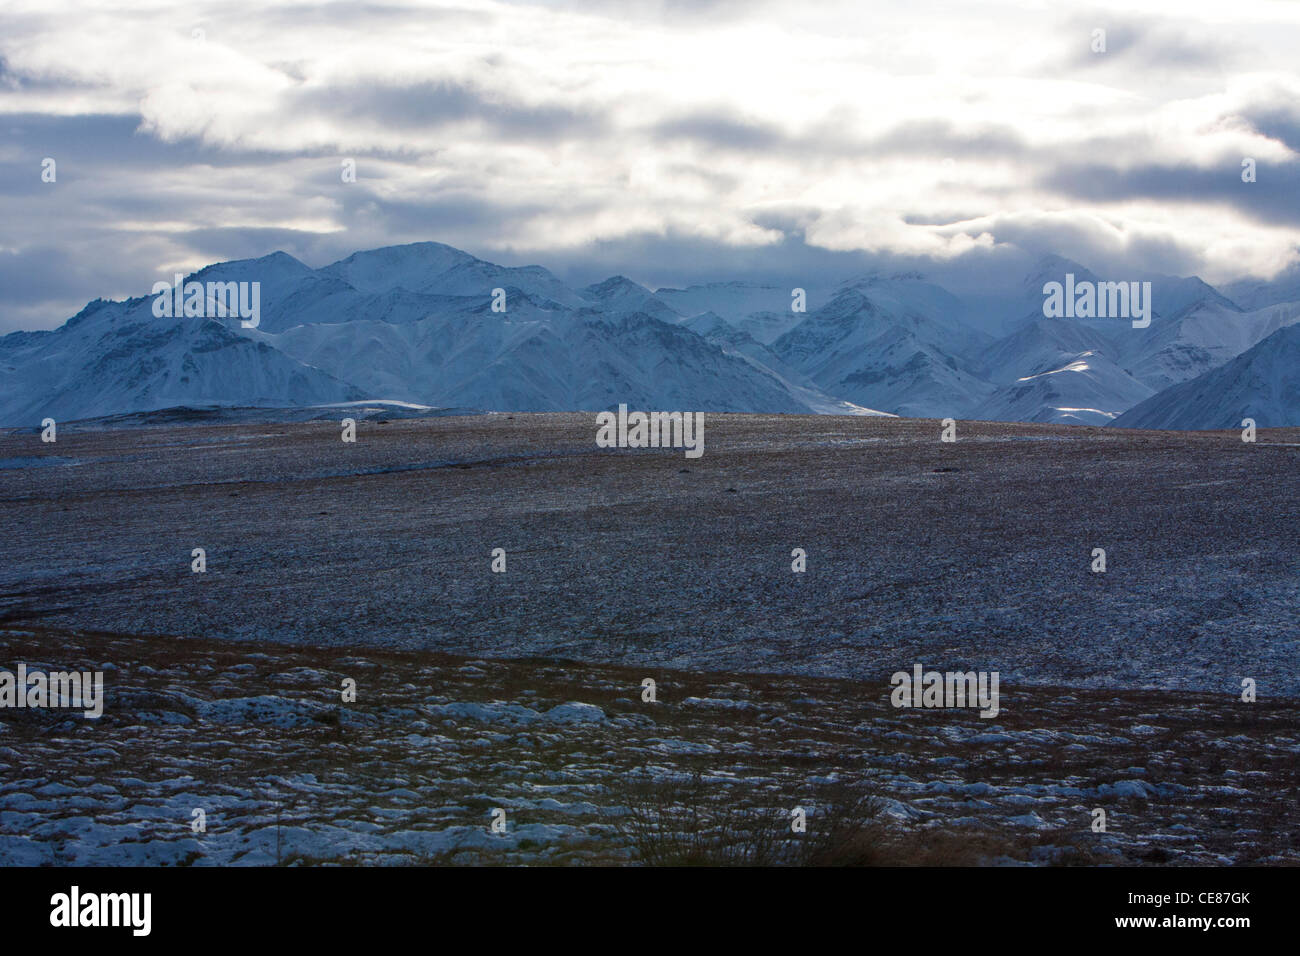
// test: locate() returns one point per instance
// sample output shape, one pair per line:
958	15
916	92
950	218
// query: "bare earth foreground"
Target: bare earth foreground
521	691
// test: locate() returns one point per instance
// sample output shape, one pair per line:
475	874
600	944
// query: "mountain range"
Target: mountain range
429	325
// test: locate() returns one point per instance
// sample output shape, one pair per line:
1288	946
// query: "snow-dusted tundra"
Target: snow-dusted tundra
432	644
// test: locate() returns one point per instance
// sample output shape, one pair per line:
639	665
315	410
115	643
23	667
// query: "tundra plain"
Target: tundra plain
522	690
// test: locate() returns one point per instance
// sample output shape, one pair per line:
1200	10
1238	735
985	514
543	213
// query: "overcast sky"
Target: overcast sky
668	141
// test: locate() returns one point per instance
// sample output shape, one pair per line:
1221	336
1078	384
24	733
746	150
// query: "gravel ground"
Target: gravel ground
521	691
967	555
259	739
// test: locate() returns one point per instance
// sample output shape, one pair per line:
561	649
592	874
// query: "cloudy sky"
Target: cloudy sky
669	140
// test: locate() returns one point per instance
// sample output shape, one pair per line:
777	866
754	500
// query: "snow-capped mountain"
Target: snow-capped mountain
407	323
1026	307
1175	296
736	341
1057	370
903	375
1087	389
1204	336
1040	346
1263	383
1258	294
432	326
115	357
1172	297
878	345
620	294
739	302
1193	328
432	268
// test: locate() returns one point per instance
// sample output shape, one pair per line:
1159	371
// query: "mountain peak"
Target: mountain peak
421	322
1262	383
614	285
410	266
1054	267
277	264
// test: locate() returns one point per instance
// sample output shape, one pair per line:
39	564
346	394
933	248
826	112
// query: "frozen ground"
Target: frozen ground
971	555
258	738
522	691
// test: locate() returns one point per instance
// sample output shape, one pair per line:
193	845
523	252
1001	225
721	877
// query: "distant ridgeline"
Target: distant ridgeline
429	326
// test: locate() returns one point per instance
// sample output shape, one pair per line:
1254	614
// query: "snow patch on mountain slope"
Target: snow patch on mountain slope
1088	389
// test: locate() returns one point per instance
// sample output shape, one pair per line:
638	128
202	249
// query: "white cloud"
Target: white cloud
572	124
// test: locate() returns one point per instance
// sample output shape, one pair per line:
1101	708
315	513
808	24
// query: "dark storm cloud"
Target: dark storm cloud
941	139
37	273
1281	123
44	284
723	132
446	103
685	11
940	218
789	220
86	144
921	138
677	259
1150	43
346	15
1079	239
15	81
83	146
430	215
1274	198
221	244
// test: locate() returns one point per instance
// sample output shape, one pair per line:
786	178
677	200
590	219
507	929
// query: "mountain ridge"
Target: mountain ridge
434	326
